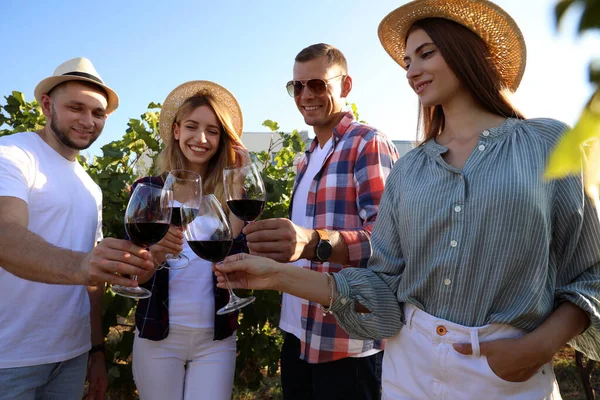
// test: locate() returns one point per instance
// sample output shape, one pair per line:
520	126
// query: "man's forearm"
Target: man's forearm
339	254
95	294
28	256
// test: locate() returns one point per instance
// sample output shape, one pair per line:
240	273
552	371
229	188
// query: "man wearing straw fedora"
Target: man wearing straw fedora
334	207
50	223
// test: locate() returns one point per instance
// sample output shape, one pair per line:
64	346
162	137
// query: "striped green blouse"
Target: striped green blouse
491	243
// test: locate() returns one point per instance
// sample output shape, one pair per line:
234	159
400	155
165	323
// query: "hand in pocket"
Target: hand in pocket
513	360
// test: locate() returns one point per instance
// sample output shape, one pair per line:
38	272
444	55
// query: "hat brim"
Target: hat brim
50	83
490	22
186	90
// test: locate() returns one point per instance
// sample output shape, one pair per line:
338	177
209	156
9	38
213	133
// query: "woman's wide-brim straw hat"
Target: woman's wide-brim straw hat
491	23
193	88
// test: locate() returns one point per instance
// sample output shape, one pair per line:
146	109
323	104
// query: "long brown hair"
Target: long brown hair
171	157
469	58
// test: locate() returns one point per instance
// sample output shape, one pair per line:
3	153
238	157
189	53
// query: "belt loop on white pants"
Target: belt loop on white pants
475	343
409	312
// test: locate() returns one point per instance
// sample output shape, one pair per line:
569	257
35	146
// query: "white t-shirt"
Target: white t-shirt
191	291
291	306
42	323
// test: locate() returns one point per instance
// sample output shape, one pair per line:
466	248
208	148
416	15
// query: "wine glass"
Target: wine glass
187	193
208	234
244	191
147	219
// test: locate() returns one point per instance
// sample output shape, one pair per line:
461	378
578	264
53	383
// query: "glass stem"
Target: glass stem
232	295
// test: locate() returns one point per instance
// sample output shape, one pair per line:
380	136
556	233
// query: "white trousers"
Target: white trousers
420	363
187	365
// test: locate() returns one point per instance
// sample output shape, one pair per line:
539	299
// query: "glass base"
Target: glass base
131	292
235	304
178	261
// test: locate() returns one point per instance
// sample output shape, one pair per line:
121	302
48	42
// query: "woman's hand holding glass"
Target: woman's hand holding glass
245	271
208	234
172	243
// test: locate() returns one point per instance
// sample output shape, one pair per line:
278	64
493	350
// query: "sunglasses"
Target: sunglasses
318	87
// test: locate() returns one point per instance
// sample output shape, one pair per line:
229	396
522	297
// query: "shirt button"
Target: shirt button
447	282
486	133
454	243
343	300
481	148
458	209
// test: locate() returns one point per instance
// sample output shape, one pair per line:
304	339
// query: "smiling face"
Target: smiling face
76	114
322	112
428	73
199	135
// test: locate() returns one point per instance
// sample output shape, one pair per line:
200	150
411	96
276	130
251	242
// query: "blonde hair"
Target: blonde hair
171	157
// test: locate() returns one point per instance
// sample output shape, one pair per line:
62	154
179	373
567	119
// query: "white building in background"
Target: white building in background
259	141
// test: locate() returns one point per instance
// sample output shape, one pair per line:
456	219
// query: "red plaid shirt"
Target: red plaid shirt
344	196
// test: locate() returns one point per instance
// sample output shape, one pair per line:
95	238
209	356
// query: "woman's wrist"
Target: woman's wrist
282	281
566	322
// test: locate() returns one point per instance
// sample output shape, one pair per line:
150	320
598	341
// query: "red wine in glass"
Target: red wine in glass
211	250
246	210
145	234
244	191
147	219
176	219
187	193
209	236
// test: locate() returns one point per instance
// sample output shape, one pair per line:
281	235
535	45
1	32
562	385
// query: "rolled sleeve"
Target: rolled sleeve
358	242
376	286
577	243
376	157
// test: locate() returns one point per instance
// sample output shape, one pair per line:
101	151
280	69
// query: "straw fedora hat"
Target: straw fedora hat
491	23
76	69
192	88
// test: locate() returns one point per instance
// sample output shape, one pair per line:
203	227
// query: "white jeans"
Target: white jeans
186	365
419	363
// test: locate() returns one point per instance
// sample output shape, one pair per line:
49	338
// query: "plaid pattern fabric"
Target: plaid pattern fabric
152	314
344	196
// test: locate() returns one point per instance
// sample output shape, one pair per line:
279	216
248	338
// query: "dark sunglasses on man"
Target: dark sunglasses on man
317	86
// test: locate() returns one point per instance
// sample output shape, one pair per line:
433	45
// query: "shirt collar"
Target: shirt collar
432	148
338	131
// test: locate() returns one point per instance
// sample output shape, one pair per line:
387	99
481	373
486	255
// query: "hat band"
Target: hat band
85	75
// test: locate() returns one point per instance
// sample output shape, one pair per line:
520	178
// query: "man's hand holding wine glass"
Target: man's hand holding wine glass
172	243
113	258
280	239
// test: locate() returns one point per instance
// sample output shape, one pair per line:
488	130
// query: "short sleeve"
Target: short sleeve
16	172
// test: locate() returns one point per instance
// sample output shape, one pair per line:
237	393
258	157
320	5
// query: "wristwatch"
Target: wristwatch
323	249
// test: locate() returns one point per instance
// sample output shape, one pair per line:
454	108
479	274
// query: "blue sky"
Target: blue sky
145	49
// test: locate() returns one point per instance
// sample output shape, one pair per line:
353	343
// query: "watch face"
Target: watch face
324	250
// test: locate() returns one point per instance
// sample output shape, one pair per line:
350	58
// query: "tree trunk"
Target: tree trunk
585	372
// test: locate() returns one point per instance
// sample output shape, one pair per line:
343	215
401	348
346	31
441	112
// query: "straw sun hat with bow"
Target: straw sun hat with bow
491	23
